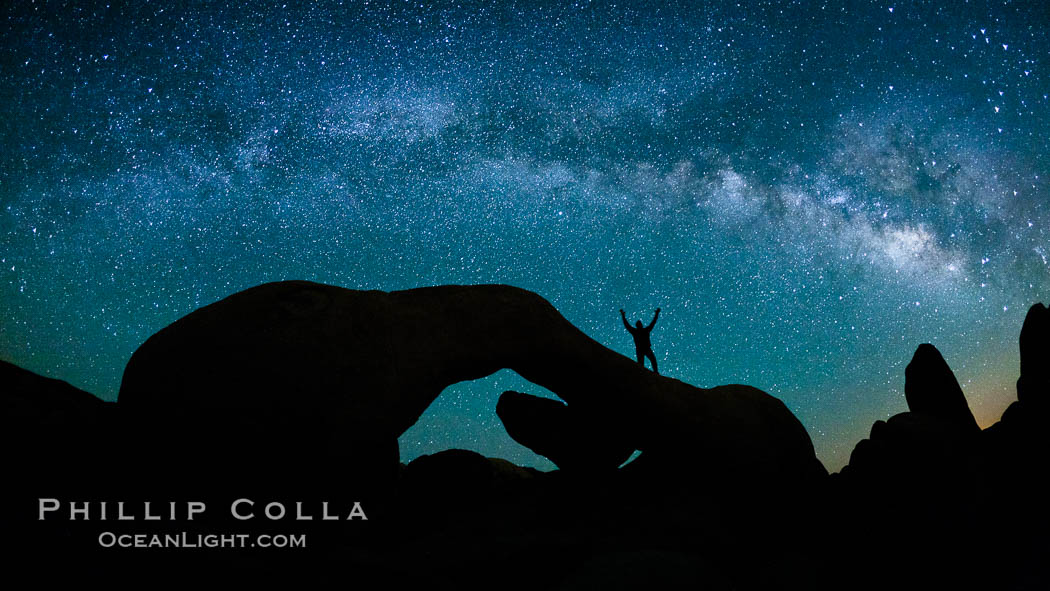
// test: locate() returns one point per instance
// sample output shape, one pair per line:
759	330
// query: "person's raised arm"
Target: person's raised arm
653	323
627	325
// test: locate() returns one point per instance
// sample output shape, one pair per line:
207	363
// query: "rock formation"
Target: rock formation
1015	447
313	378
64	426
341	373
928	485
57	442
1034	383
556	431
37	400
930	388
460	477
928	439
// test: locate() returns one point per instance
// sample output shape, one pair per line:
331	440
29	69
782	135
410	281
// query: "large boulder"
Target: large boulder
1017	446
928	442
300	369
462	477
567	437
1034	383
32	403
58	442
49	427
930	388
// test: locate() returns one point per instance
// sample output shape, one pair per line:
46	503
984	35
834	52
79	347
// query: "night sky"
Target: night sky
808	192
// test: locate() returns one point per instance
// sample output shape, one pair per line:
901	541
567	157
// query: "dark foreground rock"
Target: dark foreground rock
338	374
931	441
1034	384
567	437
49	428
926	502
929	488
930	388
56	441
459	475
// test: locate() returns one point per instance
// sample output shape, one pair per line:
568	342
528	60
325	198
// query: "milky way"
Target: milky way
808	192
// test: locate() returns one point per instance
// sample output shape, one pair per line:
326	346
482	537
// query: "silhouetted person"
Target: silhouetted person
643	347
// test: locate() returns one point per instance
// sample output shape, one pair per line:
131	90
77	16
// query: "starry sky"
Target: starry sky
808	190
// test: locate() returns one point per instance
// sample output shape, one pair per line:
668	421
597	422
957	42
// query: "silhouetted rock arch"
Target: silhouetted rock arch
332	372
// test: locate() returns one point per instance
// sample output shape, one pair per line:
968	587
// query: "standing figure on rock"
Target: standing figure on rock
643	347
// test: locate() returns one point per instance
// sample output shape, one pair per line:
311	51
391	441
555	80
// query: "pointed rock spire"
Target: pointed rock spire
1034	383
930	388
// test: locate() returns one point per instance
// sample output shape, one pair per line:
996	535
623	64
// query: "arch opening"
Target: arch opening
464	417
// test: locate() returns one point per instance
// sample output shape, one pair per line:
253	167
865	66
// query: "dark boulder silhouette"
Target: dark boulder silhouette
57	442
1028	416
434	487
567	437
1034	383
1016	446
1012	460
64	427
296	388
930	388
949	488
340	374
928	440
42	401
464	472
